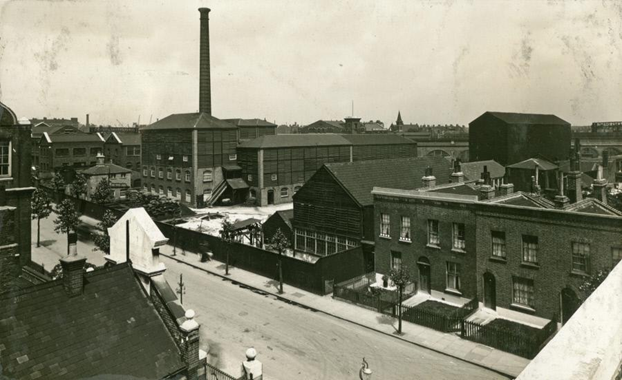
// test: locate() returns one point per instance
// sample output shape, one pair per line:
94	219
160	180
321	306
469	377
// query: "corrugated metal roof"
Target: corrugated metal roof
189	121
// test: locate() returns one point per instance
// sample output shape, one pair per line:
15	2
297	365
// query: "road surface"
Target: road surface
295	343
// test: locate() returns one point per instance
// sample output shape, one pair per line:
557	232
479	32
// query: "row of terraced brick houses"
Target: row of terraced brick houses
516	251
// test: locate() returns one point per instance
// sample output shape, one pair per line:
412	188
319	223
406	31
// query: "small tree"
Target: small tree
400	277
592	282
280	243
103	192
78	187
41	209
227	234
58	184
67	220
102	241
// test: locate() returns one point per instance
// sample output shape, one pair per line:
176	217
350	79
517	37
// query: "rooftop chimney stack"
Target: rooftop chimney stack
100	159
600	185
428	179
457	175
87	120
561	200
73	274
205	92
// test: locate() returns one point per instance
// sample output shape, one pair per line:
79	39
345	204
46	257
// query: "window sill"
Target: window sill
433	246
384	237
453	291
523	308
576	273
498	259
458	250
530	265
6	178
405	241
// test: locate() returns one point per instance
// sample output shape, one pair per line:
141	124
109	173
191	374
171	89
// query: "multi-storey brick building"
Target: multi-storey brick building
72	150
513	250
186	156
276	167
123	149
37	133
15	193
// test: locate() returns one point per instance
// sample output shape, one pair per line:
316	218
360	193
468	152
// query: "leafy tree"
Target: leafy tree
592	282
400	277
78	187
153	204
40	209
102	241
58	183
280	243
227	234
103	192
67	220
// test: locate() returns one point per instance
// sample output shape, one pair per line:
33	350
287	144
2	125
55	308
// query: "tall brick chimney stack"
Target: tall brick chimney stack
205	92
73	274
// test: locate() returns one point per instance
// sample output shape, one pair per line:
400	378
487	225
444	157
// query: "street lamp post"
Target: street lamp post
365	373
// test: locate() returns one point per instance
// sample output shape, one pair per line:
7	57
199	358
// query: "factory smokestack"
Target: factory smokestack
205	93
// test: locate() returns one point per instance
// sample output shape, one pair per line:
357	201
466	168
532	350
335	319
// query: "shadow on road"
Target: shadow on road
47	243
272	284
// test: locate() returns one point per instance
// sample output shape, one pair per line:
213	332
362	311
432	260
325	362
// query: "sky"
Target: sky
438	62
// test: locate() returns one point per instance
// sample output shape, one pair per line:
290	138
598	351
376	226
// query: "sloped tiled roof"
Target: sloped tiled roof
592	206
77	137
532	163
287	216
189	121
520	198
360	177
296	140
528	118
473	170
38	131
110	330
333	123
108	168
250	122
378	139
124	138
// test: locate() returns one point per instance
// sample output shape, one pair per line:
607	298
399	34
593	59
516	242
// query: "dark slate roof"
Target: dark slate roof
75	137
473	170
532	163
297	140
528	118
360	177
111	329
107	168
250	123
126	138
38	131
189	121
287	216
332	123
376	139
456	188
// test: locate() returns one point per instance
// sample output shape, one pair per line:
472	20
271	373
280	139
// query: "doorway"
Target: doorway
270	197
570	304
490	291
424	275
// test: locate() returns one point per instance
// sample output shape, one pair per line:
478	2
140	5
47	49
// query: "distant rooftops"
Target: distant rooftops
190	121
322	139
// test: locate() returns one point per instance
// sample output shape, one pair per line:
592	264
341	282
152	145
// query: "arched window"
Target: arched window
207	176
145	188
170	192
152	172
188	196
161	190
128	165
284	192
178	175
178	193
160	173
145	171
187	176
169	174
153	189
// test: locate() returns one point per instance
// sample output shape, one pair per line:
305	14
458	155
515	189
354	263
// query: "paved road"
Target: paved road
294	343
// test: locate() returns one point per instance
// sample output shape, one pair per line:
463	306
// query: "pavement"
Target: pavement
54	246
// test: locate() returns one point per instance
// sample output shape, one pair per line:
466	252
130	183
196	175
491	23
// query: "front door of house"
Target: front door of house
424	278
570	304
490	291
270	197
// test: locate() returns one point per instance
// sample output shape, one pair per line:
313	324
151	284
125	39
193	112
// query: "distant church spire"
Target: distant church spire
399	119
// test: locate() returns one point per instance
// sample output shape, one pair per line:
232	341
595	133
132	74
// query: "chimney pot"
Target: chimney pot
506	189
